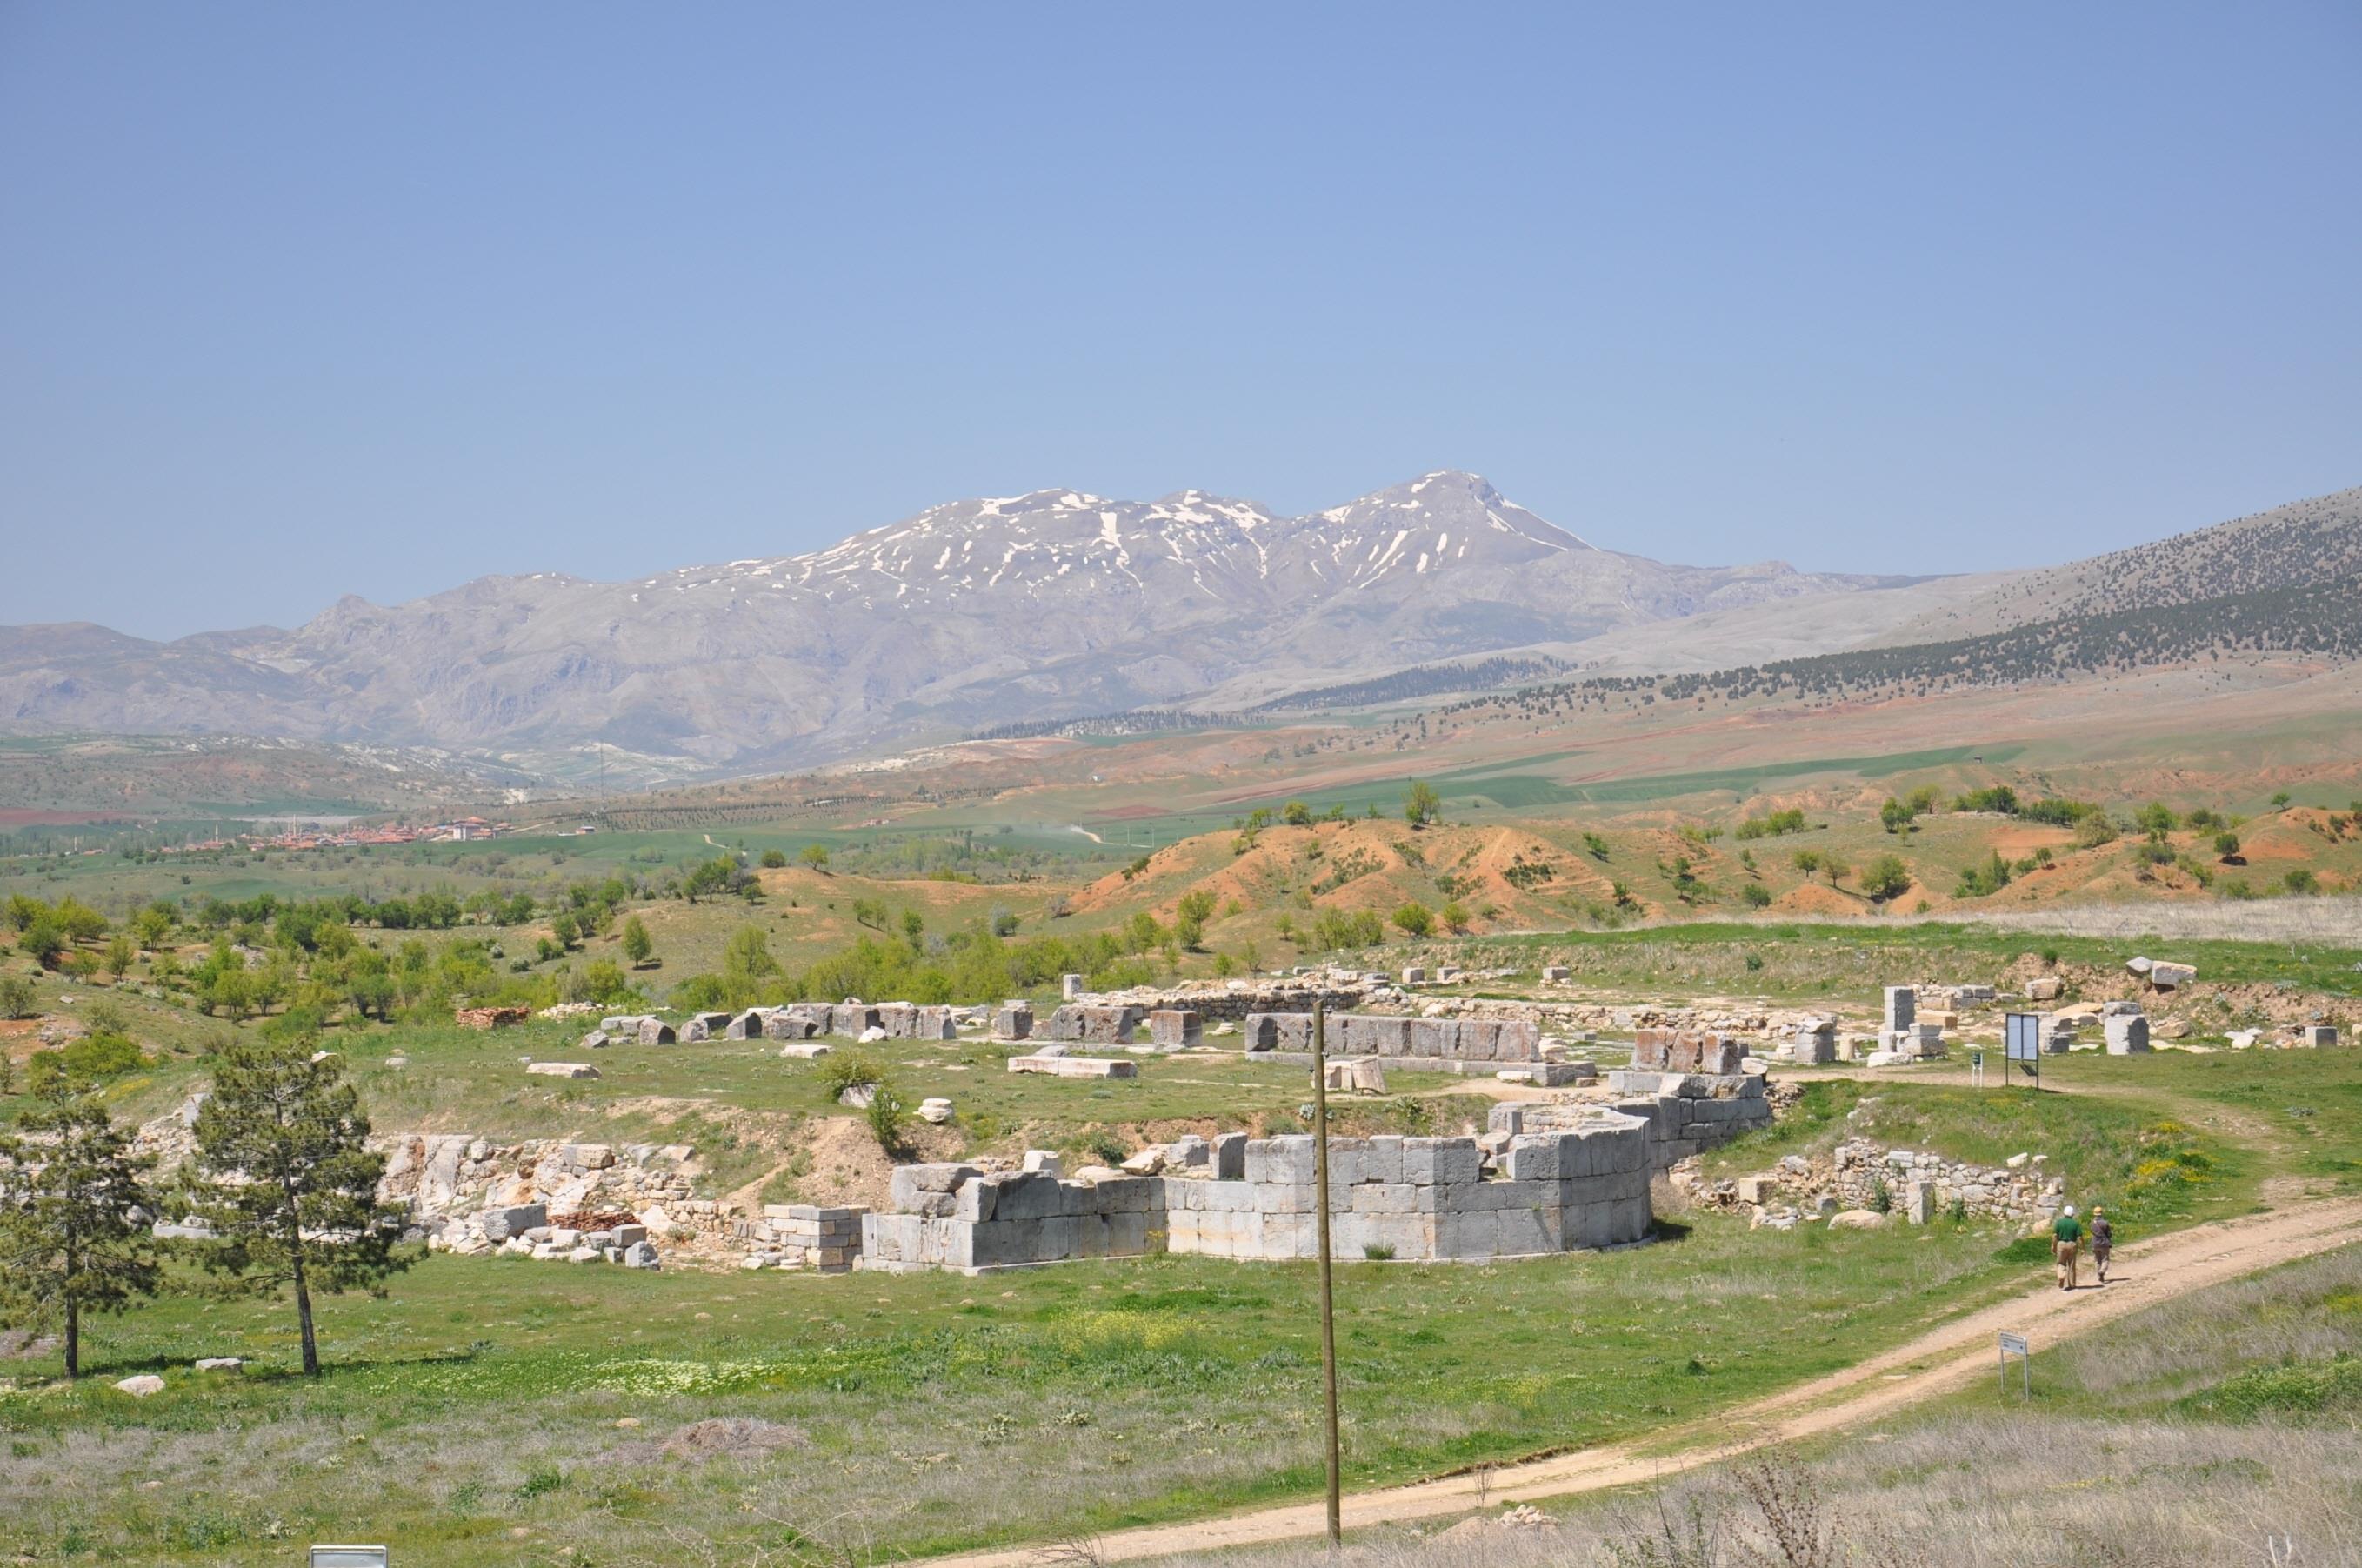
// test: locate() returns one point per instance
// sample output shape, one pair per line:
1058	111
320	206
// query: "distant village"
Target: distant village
461	830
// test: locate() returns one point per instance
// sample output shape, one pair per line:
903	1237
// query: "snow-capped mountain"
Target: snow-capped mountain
972	613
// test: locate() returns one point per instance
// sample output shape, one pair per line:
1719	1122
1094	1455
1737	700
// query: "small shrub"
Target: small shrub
2306	1387
1881	1200
843	1070
1378	1252
99	1057
540	1483
888	1117
1103	1146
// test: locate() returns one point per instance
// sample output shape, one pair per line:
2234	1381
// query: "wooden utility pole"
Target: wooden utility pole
1328	1290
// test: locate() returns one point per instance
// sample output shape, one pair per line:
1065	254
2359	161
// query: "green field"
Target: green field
479	1399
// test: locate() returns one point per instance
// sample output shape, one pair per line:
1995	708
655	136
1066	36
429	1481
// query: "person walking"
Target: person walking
2065	1236
2103	1239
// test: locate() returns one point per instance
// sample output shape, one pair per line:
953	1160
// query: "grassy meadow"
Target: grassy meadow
472	1412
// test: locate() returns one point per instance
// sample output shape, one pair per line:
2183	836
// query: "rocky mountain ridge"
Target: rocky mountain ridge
971	613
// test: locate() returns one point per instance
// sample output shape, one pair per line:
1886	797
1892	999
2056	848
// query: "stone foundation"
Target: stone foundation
1412	1198
1493	1041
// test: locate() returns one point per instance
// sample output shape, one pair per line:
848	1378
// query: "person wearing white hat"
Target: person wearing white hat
2066	1238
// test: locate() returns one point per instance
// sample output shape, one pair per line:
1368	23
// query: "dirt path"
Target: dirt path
1940	1360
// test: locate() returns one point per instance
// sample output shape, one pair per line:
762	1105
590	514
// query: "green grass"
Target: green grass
2284	1345
2306	1105
1495	784
1802	958
1124	1392
726	1096
2151	1172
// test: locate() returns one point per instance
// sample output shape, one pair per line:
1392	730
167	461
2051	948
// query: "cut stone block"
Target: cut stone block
1075	1066
2127	1034
1174	1027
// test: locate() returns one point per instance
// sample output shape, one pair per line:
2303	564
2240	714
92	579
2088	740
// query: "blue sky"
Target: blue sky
301	301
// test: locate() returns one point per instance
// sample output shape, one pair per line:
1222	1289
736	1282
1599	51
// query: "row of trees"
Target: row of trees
283	1183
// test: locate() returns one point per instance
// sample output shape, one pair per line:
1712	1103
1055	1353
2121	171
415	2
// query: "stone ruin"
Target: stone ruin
1085	1023
1176	1028
1053	1062
548	1198
1902	1036
1445	1044
1814	1043
1860	1176
1687	1113
801	1236
630	1029
1425	1199
1686	1051
490	1017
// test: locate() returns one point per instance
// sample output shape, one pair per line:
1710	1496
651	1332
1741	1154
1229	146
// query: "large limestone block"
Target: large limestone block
907	1184
1521	1233
1028	1197
1440	1162
1385	1198
1175	1027
1536	1156
1286	1160
1518	1040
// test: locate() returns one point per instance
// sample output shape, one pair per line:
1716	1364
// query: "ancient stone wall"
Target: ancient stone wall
1686	1051
1689	1112
1400	1198
1502	1040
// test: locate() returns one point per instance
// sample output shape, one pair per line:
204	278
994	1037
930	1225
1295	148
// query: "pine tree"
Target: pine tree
71	1240
286	1184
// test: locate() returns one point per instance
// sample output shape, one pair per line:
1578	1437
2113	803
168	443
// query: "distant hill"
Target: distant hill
2322	620
2303	544
1017	611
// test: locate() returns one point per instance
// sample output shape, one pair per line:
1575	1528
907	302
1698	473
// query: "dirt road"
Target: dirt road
1942	1359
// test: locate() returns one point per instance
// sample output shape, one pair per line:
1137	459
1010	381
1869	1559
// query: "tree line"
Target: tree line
279	1198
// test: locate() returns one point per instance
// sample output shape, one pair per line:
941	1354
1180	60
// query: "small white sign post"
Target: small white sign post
2015	1345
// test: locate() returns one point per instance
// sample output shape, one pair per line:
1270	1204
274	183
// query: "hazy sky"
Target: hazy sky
302	301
